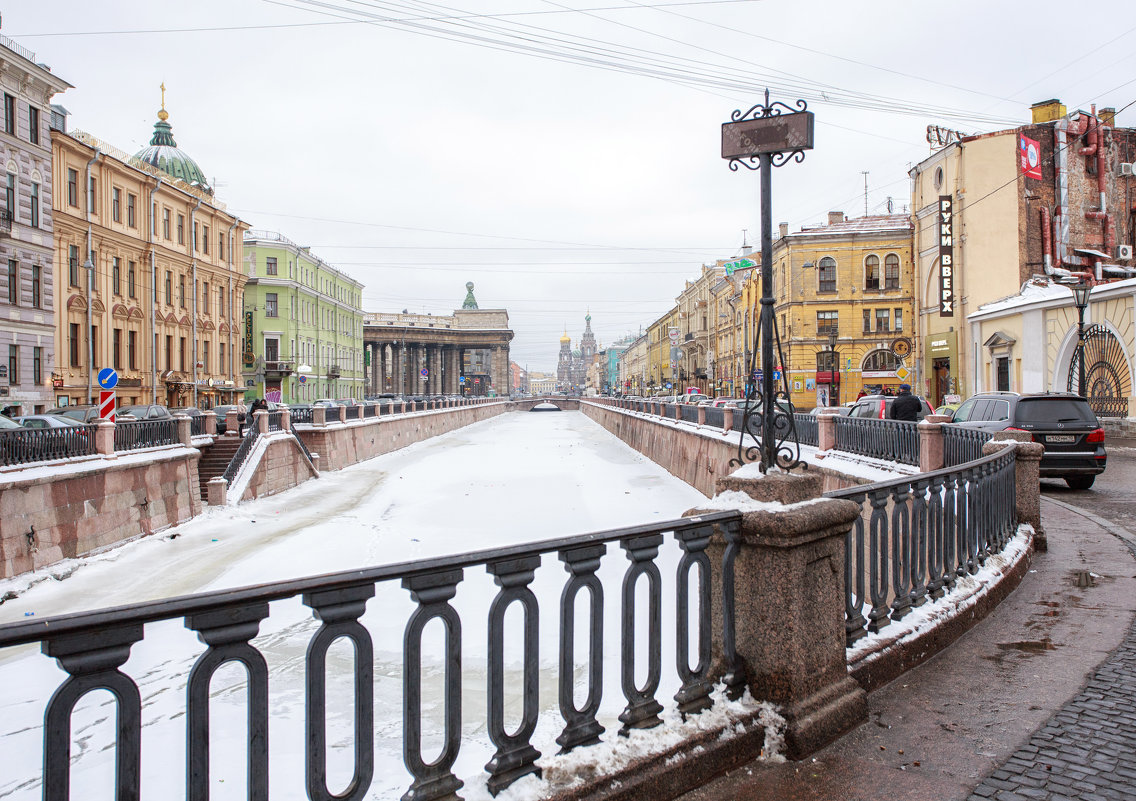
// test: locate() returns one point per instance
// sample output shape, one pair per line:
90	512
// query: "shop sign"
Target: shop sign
878	374
248	357
946	257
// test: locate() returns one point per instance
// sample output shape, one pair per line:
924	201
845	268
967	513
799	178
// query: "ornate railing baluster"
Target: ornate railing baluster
901	555
694	695
92	660
515	755
918	542
642	710
937	556
878	560
952	553
432	592
734	678
582	727
854	578
227	632
339	611
972	519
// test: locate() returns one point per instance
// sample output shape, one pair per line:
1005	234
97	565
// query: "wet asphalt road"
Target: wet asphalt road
1113	494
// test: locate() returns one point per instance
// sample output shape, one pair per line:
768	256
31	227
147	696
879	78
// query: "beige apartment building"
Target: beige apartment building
148	275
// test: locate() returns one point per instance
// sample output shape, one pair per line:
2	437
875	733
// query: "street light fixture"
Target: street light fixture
1081	292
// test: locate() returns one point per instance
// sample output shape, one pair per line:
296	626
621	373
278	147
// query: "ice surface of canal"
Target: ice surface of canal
516	478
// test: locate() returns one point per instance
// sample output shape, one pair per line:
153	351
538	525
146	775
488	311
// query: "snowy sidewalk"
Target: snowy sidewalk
962	722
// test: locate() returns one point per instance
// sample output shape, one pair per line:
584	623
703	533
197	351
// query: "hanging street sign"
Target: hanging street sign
777	133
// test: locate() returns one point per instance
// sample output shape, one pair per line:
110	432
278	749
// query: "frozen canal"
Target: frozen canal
516	478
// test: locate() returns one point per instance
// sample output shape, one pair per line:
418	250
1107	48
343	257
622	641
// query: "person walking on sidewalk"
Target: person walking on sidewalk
905	406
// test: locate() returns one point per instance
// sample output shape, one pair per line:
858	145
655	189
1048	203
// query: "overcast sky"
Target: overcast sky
563	156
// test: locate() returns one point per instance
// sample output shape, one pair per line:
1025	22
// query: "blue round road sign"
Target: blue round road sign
108	378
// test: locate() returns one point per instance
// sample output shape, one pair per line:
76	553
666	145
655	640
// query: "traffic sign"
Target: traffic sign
303	379
673	334
106	402
423	372
903	374
776	375
461	379
108	378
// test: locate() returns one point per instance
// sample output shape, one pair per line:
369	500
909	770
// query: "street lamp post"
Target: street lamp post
1081	292
833	361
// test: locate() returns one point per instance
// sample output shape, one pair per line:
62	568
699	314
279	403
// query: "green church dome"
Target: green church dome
164	154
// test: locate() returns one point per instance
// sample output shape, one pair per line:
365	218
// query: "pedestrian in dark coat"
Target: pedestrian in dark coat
905	406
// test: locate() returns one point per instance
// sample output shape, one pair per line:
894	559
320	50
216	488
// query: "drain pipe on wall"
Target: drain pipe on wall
193	274
89	266
154	294
229	287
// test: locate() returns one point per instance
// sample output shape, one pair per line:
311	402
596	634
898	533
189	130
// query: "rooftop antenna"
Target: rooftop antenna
891	206
865	174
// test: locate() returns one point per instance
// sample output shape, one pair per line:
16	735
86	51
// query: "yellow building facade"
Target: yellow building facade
148	279
852	278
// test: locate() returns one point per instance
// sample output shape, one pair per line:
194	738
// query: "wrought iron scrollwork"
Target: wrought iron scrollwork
768	109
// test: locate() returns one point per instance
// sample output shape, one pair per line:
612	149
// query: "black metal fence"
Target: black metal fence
808	429
891	440
241	454
92	647
715	416
132	435
28	445
275	421
197	425
962	444
300	414
352	413
688	412
917	535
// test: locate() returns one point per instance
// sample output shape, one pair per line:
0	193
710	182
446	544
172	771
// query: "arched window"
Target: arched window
872	274
826	275
880	361
891	271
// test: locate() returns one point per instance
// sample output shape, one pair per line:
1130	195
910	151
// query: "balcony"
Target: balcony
5	223
279	369
333	371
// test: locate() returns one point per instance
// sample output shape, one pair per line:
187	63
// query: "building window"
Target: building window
10	196
94	344
891	271
130	278
867	321
270	266
73	265
116	204
181	229
826	275
221	246
880	361
116	275
205	297
9	114
116	348
169	352
169	288
883	321
181	291
73	343
272	350
37	287
181	354
132	350
165	224
92	185
205	355
1003	366
33	125
205	239
13	365
828	322
35	206
37	366
130	202
72	187
221	357
221	300
270	304
898	319
13	283
872	274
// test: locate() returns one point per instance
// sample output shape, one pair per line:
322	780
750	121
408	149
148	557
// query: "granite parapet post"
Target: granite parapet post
1027	482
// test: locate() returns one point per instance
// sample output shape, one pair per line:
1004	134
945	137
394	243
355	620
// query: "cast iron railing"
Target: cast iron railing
962	444
808	429
891	440
1109	405
92	647
197	425
275	421
917	535
27	445
131	435
715	416
299	415
241	454
352	413
688	412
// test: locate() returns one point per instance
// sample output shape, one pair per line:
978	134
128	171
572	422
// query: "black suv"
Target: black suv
1062	422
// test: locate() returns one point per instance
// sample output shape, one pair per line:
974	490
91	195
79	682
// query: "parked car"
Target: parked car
693	398
878	406
7	423
1062	422
222	413
328	402
80	414
147	411
46	421
842	411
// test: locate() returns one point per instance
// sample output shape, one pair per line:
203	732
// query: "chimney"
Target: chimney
784	228
835	217
1047	111
1108	117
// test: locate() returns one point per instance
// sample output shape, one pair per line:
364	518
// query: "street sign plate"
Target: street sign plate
424	372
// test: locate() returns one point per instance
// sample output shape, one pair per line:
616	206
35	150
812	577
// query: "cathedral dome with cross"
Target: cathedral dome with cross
164	153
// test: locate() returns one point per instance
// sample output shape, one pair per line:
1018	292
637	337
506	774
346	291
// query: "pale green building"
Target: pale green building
302	328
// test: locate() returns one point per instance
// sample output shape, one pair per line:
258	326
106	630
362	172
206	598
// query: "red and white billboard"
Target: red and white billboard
1030	152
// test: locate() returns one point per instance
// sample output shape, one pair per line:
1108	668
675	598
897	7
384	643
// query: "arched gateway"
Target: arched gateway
1108	381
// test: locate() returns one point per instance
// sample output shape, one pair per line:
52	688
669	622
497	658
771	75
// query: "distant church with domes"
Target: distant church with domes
572	365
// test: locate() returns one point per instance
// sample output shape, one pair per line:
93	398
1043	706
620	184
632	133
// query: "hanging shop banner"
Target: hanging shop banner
1030	152
946	257
249	357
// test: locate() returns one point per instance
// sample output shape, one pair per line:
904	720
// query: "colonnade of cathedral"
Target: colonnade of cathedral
425	368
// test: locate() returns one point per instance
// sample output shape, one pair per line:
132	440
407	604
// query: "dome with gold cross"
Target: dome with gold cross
164	153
